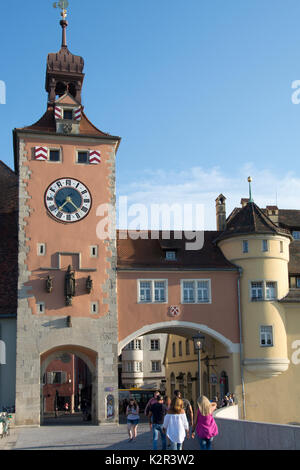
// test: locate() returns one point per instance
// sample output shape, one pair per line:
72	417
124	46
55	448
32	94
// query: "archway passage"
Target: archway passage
179	362
67	388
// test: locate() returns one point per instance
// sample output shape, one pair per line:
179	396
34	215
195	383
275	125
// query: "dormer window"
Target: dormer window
171	255
68	114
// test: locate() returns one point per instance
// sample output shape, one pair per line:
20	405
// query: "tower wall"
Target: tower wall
66	244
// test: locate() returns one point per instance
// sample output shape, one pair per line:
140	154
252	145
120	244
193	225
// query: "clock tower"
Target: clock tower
66	270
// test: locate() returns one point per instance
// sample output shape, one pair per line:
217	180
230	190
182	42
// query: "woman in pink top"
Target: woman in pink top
204	423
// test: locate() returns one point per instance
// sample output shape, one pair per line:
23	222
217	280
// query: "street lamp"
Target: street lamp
198	345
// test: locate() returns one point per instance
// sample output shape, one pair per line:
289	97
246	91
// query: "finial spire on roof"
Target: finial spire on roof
250	194
63	5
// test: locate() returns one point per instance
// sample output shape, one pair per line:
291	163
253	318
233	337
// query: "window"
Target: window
270	290
54	155
180	348
134	344
256	290
40	307
281	247
187	347
94	307
41	249
298	281
68	114
263	290
173	349
171	255
133	366
56	377
266	336
154	345
245	246
82	157
265	246
197	291
155	366
296	234
94	251
153	291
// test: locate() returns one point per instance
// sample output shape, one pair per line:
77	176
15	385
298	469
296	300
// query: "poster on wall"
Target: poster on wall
110	407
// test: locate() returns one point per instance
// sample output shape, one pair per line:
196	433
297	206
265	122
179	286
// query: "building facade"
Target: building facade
142	362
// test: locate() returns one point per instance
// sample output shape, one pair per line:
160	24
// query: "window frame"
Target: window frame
54	149
245	246
264	297
152	291
261	333
158	345
82	151
195	288
156	369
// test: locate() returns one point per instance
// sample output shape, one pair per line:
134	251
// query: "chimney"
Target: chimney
273	214
244	201
221	212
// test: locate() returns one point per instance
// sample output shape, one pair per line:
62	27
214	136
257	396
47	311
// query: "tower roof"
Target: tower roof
248	220
64	71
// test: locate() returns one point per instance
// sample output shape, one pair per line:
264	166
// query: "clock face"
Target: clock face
68	200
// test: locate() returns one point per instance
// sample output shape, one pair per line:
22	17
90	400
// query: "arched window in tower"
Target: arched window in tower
72	89
60	89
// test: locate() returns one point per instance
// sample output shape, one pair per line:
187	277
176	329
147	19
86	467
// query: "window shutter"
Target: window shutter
63	377
58	112
41	153
94	157
77	114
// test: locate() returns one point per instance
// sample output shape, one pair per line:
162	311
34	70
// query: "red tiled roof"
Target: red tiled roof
47	124
150	254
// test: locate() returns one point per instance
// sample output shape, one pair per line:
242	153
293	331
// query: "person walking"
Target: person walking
176	424
186	406
133	418
156	416
204	423
151	402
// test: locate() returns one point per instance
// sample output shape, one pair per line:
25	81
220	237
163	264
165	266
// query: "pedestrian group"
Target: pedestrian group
173	420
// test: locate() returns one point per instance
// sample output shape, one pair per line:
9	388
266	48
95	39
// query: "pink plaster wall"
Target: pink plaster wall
221	315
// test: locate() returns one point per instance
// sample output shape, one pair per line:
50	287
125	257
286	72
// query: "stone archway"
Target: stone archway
88	357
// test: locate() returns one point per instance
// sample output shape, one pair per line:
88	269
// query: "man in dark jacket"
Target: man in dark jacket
156	417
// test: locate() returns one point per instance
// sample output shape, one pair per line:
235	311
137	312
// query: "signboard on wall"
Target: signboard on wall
2	353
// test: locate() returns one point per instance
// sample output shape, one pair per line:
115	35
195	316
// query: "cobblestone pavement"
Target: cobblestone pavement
81	436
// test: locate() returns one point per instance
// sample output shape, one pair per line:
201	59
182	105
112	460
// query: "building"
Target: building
65	168
142	362
181	362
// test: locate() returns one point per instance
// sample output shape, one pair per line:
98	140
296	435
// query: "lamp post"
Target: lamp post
198	345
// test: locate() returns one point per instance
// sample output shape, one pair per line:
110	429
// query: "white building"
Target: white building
142	362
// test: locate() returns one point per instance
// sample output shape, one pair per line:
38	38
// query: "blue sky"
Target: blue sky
199	90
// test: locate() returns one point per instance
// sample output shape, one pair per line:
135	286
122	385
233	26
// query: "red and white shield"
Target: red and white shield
174	311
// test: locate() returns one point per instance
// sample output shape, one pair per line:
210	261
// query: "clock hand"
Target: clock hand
73	204
66	202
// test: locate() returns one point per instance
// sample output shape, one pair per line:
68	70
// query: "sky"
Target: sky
200	91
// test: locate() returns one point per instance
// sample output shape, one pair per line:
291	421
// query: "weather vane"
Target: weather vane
63	5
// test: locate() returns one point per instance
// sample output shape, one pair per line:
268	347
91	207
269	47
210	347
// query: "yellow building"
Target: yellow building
265	245
181	362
